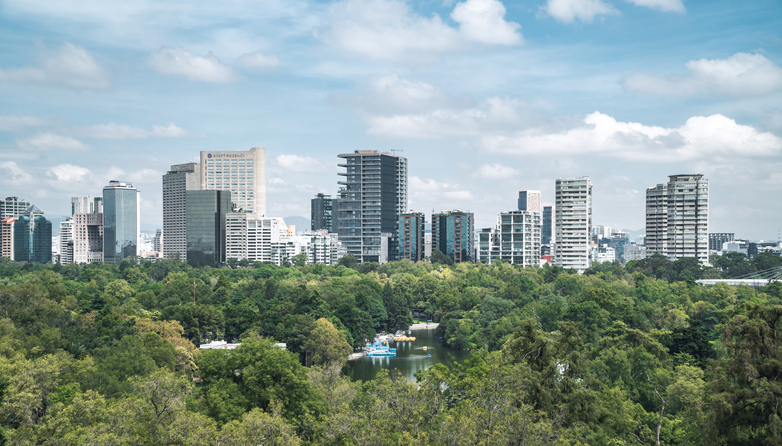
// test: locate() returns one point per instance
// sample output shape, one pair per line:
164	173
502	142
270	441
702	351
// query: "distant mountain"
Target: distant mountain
301	223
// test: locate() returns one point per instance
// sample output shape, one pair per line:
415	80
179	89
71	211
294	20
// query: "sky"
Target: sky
484	98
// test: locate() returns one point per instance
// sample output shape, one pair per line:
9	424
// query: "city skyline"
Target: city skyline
483	98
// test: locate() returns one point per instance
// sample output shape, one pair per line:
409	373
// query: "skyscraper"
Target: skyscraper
32	237
411	236
453	234
321	213
573	223
206	211
373	194
677	218
88	237
241	172
66	240
86	205
180	179
120	221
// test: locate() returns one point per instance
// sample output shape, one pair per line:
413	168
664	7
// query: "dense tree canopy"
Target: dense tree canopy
107	354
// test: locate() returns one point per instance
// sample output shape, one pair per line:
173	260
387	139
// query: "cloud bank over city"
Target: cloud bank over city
484	98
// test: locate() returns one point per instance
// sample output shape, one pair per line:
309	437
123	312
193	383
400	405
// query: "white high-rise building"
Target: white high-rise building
517	238
13	207
87	237
677	218
86	205
241	172
573	220
66	241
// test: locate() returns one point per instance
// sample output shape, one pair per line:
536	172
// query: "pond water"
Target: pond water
410	357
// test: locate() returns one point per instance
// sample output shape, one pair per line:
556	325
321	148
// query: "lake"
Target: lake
410	357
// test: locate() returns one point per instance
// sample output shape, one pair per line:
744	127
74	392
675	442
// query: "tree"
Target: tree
439	258
326	346
259	427
348	261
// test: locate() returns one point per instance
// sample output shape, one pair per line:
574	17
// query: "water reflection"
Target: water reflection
410	357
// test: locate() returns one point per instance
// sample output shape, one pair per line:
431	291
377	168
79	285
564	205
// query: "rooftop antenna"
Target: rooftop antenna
393	151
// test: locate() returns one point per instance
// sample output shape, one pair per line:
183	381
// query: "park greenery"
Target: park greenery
622	354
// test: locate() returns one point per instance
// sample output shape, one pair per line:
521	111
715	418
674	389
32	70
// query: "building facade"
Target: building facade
677	218
7	237
321	209
573	223
545	227
86	205
372	195
32	237
717	239
529	200
518	238
66	240
412	226
453	234
180	179
121	219
206	221
87	237
13	207
241	172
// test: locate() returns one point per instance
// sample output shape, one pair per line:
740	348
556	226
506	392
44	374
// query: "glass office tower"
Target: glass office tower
32	237
206	210
453	234
411	236
120	221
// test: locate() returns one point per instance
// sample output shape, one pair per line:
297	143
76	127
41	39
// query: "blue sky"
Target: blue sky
483	97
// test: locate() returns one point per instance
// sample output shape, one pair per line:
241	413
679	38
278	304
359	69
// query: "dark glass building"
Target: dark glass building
32	237
411	236
321	210
452	234
120	221
371	197
545	229
206	211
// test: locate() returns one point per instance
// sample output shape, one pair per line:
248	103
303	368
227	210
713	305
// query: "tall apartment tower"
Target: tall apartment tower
322	207
7	237
677	218
453	234
13	207
180	179
573	223
545	229
241	172
66	240
32	237
372	196
121	220
411	236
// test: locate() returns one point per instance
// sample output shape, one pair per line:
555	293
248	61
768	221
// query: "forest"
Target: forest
623	354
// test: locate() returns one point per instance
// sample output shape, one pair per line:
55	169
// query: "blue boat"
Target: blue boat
378	349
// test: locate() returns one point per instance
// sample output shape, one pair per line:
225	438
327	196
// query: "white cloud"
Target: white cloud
599	134
69	173
483	21
392	94
277	181
298	163
569	11
739	75
773	121
180	62
496	171
389	29
494	114
258	61
68	65
429	191
169	130
121	131
17	123
14	173
50	141
662	5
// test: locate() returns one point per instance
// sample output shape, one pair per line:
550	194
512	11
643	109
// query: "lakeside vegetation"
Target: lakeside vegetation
106	354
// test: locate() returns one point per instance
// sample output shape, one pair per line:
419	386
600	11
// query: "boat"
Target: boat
379	349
